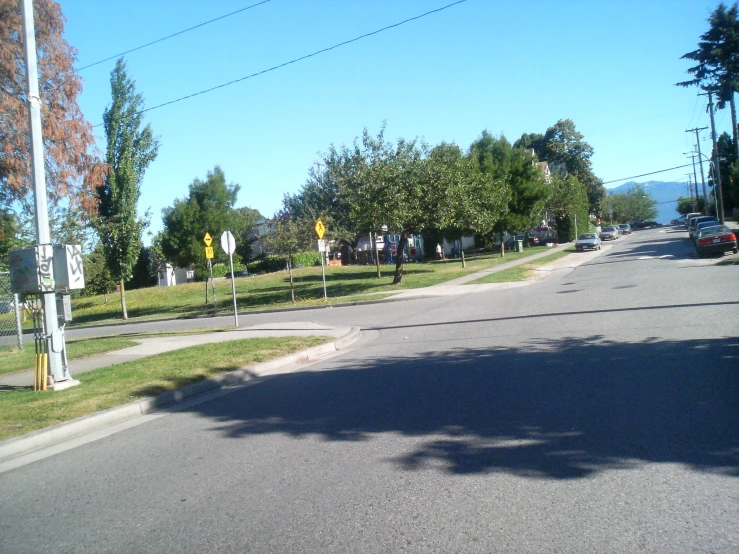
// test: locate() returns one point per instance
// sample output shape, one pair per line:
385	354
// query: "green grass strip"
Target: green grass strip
23	411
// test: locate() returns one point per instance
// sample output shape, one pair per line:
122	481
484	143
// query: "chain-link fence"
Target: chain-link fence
9	324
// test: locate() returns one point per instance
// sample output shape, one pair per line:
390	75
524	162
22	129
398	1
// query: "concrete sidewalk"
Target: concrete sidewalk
156	345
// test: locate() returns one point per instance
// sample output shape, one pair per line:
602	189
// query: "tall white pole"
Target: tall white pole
54	336
233	288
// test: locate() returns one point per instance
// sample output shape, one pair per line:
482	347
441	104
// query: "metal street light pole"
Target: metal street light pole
54	337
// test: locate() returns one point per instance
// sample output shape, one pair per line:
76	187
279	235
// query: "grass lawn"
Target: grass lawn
522	272
23	411
344	284
82	348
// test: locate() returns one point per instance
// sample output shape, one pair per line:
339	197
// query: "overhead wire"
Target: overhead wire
645	174
301	58
173	35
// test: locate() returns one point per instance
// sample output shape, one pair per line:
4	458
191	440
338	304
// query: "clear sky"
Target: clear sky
503	65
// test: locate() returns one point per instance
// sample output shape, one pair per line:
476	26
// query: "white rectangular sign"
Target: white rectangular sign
321	245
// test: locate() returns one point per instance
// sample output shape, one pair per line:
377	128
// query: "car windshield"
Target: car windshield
609	229
586	236
624	226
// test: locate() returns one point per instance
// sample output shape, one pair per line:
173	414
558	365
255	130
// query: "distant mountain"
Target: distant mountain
665	193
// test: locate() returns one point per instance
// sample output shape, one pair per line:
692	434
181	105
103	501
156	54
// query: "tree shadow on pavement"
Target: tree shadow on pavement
560	409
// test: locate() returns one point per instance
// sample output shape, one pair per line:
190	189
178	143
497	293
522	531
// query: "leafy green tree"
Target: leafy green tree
729	172
634	205
569	199
517	173
563	144
208	208
685	205
287	238
130	150
98	279
244	223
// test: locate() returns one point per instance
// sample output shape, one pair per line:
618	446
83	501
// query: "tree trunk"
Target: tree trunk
733	127
290	271
123	302
398	279
502	246
464	264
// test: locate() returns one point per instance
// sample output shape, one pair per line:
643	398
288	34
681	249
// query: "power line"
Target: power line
645	174
355	39
174	34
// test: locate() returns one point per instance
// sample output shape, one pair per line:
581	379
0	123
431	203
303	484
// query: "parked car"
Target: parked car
7	306
715	240
587	241
609	233
696	220
648	224
239	273
691	216
702	225
534	240
680	220
624	229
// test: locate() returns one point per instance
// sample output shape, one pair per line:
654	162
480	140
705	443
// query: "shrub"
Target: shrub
267	264
307	259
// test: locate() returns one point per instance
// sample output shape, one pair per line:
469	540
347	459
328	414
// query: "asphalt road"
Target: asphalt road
595	411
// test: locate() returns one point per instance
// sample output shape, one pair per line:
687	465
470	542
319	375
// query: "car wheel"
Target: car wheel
736	251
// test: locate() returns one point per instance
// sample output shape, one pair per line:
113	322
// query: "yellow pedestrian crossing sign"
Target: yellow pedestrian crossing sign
320	229
209	252
208	240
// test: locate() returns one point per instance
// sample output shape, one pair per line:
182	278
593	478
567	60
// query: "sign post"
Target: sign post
228	243
208	240
320	231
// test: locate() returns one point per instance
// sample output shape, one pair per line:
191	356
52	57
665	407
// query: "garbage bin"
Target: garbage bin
519	246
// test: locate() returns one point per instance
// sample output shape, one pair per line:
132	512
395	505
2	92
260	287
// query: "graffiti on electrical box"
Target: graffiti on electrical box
74	261
45	268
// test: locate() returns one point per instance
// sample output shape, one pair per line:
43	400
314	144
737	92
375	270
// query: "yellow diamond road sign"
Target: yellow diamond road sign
208	240
209	252
320	229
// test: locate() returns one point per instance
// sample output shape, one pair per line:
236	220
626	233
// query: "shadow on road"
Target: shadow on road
563	409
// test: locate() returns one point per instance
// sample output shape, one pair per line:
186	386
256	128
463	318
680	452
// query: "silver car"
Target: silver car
609	233
587	241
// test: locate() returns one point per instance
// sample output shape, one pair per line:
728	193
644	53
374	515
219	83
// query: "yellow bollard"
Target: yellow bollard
44	370
37	374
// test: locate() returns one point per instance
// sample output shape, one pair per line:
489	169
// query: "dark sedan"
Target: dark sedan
715	240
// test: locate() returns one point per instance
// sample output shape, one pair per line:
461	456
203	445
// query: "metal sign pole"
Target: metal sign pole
323	274
233	289
212	284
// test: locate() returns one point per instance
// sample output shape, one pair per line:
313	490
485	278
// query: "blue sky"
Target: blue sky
506	66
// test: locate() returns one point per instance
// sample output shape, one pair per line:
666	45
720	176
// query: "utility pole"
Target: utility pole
716	173
695	176
53	336
700	161
319	164
690	186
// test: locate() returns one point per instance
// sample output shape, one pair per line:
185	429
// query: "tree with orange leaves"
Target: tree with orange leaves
72	168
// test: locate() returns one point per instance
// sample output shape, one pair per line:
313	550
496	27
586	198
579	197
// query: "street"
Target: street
593	411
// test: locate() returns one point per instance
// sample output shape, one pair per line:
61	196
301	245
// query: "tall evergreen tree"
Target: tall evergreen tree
717	61
130	150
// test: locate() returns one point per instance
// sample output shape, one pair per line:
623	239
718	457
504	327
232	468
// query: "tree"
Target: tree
73	169
685	205
244	222
634	205
515	169
208	208
287	238
563	144
569	199
129	152
98	279
717	59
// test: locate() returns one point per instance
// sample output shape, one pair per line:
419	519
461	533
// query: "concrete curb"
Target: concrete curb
43	438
